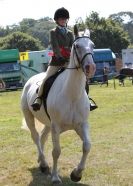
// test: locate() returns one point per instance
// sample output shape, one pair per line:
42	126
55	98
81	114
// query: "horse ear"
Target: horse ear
87	32
76	33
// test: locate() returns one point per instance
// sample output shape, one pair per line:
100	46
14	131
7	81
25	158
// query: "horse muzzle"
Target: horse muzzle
90	70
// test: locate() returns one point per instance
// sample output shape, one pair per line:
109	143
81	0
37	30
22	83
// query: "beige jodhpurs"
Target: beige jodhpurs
50	71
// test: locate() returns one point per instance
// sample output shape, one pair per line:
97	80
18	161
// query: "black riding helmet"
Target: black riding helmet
61	13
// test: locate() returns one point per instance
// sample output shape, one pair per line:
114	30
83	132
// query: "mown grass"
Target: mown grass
110	159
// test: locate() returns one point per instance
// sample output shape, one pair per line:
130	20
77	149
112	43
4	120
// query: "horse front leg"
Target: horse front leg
83	132
55	153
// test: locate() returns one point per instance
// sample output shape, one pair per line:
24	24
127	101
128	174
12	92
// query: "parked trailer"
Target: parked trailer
34	62
127	57
104	58
10	72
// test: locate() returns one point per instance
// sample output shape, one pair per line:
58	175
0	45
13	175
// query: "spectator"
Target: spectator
105	76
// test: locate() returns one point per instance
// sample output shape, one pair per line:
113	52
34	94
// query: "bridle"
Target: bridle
80	62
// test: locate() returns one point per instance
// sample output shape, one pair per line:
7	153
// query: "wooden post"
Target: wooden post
114	82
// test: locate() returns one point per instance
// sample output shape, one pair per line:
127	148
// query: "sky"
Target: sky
13	11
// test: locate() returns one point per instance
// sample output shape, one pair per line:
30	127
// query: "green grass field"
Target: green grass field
110	162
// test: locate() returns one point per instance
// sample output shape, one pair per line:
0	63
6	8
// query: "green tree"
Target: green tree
25	24
126	20
38	29
107	33
4	31
21	41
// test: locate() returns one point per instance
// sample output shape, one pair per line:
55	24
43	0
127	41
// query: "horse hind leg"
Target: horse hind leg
43	138
30	121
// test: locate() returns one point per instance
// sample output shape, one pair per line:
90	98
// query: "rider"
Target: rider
61	40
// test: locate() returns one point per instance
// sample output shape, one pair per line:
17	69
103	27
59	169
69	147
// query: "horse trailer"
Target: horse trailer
10	72
34	62
127	57
104	58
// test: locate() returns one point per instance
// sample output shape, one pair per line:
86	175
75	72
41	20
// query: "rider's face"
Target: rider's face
62	21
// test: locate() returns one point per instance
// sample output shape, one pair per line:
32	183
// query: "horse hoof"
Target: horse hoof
55	183
45	170
74	177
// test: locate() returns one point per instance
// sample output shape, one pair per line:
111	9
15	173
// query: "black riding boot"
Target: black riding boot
37	104
93	105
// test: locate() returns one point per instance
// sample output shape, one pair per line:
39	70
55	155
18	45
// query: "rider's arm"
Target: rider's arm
54	44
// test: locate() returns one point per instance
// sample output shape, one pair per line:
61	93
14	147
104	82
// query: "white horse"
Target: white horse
67	104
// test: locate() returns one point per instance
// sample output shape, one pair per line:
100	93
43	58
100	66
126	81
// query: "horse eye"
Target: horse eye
77	46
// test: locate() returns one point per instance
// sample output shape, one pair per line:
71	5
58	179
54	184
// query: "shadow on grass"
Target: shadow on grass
39	179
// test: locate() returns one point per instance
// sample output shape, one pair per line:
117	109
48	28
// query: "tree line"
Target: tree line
31	34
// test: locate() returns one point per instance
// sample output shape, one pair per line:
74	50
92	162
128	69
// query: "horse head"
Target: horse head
82	52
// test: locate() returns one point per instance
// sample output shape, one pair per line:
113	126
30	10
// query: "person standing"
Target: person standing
105	76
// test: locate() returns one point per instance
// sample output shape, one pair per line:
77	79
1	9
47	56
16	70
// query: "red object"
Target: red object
65	52
50	53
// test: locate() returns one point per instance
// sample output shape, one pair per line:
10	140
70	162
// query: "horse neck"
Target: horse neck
74	85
